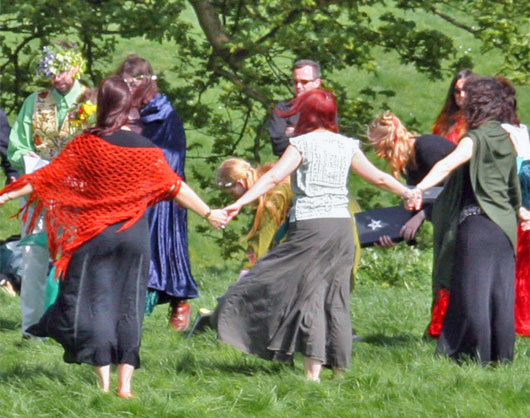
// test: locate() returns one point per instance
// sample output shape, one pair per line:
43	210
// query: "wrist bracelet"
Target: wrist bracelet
207	215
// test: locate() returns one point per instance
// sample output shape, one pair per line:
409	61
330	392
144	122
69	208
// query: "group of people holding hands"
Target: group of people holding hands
106	198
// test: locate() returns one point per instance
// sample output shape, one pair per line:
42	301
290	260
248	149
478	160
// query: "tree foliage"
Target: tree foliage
236	64
245	48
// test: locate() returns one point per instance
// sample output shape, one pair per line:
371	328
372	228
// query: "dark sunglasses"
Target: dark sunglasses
303	82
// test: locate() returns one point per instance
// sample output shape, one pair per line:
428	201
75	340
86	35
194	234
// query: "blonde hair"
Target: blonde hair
393	142
234	169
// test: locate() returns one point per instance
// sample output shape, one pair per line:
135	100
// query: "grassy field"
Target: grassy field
394	371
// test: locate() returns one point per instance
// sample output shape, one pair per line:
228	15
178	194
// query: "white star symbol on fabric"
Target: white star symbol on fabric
373	225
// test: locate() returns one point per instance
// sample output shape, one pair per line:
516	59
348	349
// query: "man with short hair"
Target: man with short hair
41	131
306	77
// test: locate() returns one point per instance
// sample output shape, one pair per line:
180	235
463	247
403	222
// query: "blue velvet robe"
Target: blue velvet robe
169	271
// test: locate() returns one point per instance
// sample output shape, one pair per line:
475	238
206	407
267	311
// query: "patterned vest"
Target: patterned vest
49	140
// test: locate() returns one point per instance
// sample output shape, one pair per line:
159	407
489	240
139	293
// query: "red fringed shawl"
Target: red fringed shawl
91	185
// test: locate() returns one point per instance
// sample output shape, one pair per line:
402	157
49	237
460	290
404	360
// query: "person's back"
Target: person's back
319	184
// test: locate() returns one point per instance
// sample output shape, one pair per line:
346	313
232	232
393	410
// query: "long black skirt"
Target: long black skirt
296	298
98	315
479	323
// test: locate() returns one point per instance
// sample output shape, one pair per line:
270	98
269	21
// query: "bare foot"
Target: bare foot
103	374
126	395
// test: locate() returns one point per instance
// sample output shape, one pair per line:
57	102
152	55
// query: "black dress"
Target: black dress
428	150
479	323
99	312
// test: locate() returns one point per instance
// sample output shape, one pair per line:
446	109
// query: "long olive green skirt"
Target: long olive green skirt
296	298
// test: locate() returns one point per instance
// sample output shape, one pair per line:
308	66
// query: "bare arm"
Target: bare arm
369	172
6	197
191	200
461	155
289	162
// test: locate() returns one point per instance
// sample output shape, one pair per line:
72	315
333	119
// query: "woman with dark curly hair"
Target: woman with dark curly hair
475	223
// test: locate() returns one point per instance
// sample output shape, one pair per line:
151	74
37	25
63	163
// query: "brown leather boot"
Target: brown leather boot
179	317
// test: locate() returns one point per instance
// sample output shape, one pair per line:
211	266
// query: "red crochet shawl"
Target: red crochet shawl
91	185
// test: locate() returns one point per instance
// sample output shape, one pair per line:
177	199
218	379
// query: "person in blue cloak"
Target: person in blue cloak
170	278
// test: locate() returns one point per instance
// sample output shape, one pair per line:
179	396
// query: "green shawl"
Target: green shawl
493	174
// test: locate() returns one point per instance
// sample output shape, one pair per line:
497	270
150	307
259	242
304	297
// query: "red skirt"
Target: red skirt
522	283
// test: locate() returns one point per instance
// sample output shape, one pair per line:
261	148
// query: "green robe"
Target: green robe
493	174
22	136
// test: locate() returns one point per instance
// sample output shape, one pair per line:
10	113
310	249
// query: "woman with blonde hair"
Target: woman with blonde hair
412	156
236	176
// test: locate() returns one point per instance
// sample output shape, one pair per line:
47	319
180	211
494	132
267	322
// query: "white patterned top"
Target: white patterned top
319	183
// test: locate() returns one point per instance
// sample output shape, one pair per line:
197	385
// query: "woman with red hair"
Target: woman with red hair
296	298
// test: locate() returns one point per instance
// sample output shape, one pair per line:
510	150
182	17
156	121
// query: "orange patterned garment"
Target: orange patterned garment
91	185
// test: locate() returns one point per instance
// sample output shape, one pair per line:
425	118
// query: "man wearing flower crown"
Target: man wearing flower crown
41	131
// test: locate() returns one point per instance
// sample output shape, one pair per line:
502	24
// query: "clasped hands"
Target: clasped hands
413	199
219	218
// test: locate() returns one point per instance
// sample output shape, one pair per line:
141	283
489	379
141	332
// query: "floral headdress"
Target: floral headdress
58	58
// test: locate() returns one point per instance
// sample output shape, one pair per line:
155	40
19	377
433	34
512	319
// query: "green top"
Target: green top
21	136
493	175
260	243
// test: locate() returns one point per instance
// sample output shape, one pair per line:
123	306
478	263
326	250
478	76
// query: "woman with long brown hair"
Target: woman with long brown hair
95	194
153	116
451	123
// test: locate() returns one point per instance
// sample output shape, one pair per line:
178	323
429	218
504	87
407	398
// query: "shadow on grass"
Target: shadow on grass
8	325
23	373
191	365
394	340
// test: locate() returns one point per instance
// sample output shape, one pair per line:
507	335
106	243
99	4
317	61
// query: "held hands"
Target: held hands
413	199
4	198
218	218
233	210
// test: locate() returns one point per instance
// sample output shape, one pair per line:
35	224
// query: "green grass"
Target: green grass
394	372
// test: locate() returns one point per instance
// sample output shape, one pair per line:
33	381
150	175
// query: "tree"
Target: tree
243	50
243	42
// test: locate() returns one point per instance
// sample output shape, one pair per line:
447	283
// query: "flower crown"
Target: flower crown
58	58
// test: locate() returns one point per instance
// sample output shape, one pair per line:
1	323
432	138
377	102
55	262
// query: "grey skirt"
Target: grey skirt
296	298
